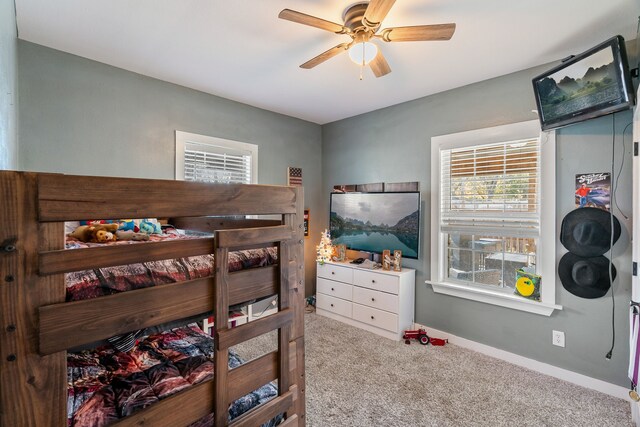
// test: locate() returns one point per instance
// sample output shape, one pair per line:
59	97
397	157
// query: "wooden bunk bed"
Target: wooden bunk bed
38	326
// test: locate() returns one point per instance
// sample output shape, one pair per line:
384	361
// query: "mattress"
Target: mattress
105	385
86	284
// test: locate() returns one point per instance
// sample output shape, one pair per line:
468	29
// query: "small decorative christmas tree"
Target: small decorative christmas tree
324	250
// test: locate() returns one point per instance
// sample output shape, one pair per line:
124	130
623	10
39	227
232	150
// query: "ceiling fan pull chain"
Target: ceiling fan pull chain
362	64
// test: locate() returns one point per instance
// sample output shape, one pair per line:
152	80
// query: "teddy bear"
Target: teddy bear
97	233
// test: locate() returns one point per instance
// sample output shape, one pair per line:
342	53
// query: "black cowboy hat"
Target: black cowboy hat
585	277
587	231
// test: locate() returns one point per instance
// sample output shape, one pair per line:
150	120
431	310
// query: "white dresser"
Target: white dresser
378	301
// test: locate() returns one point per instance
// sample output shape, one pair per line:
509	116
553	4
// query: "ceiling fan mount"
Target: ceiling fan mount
362	22
353	16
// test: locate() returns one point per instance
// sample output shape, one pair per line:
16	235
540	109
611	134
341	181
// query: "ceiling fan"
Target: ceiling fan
362	23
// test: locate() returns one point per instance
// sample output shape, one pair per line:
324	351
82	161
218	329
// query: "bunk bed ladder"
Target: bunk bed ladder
32	386
232	384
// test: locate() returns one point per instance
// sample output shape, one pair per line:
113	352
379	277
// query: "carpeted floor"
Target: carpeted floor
355	378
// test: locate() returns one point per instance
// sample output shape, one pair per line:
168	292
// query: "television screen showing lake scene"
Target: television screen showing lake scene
373	222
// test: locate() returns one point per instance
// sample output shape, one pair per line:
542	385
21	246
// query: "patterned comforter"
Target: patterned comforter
109	280
105	384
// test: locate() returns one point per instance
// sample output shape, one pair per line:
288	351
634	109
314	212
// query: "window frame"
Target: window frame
182	138
546	246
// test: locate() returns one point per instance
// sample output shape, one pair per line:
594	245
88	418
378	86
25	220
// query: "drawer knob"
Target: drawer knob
373	281
373	299
371	317
332	289
333	272
331	305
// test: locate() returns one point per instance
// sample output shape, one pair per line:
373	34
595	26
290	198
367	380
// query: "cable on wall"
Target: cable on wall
617	177
614	184
614	201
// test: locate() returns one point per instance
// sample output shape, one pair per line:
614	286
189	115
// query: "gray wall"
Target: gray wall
79	116
393	144
82	117
8	85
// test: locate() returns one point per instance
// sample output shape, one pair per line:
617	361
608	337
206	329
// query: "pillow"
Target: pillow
70	226
527	285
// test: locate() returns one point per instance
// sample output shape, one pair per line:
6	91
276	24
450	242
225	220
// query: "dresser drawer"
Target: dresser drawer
375	299
335	272
378	318
377	281
334	305
335	289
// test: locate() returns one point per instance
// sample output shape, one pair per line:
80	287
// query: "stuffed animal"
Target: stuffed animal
131	235
97	233
81	233
126	225
102	236
150	227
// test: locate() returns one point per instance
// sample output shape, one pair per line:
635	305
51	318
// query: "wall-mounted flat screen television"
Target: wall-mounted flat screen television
373	222
595	83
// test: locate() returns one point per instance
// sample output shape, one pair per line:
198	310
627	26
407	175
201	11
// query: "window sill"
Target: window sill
492	297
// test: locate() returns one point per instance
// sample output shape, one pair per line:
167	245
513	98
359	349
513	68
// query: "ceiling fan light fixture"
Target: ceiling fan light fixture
366	50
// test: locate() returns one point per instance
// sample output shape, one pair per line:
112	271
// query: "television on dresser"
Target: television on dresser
373	222
592	84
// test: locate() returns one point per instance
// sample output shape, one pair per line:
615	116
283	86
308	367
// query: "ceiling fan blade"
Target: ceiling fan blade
418	33
376	11
379	65
326	55
303	18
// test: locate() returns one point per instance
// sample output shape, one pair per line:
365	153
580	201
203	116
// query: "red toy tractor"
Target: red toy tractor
420	335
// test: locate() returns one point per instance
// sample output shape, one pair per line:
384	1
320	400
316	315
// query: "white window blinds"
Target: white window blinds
491	189
210	159
209	163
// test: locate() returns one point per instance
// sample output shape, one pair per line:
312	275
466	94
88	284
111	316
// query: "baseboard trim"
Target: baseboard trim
635	413
525	362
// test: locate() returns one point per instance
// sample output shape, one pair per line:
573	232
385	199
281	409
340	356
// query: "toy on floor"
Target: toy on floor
438	341
310	304
420	335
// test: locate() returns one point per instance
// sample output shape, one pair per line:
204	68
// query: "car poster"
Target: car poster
593	190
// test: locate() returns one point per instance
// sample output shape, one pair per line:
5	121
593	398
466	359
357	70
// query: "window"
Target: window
493	198
209	159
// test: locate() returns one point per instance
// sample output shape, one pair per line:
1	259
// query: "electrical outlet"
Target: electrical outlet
557	338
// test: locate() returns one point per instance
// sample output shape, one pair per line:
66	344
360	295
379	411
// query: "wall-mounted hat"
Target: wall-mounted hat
585	277
587	231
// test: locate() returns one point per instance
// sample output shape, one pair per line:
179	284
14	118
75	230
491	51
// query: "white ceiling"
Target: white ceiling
240	50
